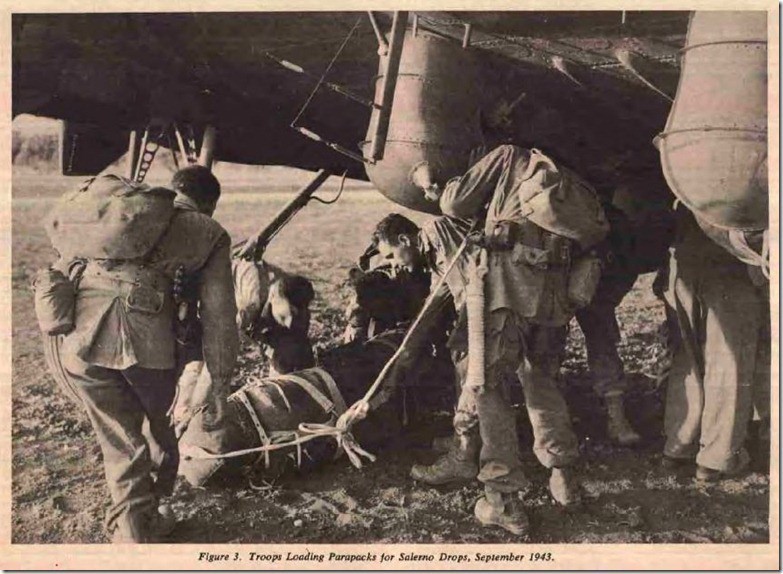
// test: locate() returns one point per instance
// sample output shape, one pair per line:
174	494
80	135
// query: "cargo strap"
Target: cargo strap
276	440
262	435
331	385
340	431
323	402
745	253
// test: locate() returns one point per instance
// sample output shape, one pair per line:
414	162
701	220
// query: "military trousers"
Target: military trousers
118	404
602	333
720	371
532	353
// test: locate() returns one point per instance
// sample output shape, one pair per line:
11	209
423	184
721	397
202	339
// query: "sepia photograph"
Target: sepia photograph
404	289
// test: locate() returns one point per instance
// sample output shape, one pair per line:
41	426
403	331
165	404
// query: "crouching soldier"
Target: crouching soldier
119	355
384	295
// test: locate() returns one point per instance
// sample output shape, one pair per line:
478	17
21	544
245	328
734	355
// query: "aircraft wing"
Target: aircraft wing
592	88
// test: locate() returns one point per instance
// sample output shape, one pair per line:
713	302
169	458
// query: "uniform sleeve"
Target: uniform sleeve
464	197
218	312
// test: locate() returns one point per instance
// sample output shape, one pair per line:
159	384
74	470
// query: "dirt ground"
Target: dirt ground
58	490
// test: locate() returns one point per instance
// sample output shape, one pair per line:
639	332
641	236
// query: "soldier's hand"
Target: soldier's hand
356	412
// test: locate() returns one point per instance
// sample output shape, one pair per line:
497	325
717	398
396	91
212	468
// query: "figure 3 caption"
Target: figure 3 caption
377	557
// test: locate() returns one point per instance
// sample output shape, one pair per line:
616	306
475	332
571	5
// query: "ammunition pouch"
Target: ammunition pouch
583	279
579	272
55	302
530	244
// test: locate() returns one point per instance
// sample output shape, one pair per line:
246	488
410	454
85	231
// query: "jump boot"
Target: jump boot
458	464
619	429
144	527
504	510
564	486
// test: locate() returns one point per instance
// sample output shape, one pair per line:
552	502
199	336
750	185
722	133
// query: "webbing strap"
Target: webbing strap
54	361
311	390
334	390
282	393
242	396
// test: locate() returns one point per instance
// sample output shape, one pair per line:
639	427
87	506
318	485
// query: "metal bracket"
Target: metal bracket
378	145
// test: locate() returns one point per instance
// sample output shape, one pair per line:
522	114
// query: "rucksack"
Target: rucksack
110	217
559	201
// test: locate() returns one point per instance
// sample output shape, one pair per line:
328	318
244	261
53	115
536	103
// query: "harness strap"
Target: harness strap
311	390
337	397
265	440
282	393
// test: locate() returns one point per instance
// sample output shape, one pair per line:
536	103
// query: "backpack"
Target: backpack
110	217
559	201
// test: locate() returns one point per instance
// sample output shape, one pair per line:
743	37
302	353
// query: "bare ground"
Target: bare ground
59	495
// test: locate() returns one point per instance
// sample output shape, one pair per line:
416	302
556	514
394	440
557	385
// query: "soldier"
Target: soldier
721	364
367	316
489	409
533	238
598	322
383	296
121	360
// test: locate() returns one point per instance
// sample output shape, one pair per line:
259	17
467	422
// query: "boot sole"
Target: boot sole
514	531
720	475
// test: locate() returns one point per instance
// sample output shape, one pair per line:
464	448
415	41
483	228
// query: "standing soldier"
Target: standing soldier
540	223
721	365
527	310
120	355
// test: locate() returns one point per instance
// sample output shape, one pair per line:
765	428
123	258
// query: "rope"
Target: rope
746	254
340	431
348	417
326	72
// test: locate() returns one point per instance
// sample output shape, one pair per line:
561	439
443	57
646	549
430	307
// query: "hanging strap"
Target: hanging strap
746	254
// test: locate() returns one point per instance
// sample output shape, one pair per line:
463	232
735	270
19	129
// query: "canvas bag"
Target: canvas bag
559	201
55	301
110	217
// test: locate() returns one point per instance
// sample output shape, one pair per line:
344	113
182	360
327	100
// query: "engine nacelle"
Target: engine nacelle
435	117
